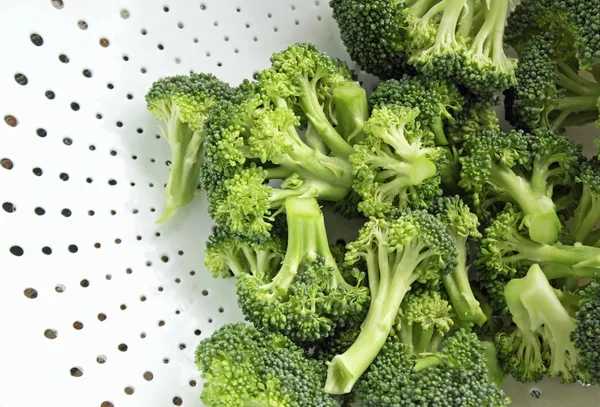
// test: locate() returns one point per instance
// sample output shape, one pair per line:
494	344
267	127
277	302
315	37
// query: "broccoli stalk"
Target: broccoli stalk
462	225
351	111
413	247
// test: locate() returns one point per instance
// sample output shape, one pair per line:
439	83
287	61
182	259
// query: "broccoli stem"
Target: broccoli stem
395	280
540	214
426	362
570	80
314	140
351	111
466	21
420	7
185	165
569	105
437	127
587	216
451	11
307	238
533	304
311	106
424	337
458	287
309	189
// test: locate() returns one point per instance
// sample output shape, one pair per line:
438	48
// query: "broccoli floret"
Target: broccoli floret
462	225
585	336
306	297
228	255
454	39
257	141
182	104
576	19
243	366
550	92
411	247
540	341
396	166
424	319
587	214
457	375
506	249
521	168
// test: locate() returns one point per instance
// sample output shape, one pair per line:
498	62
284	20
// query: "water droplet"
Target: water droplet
535	393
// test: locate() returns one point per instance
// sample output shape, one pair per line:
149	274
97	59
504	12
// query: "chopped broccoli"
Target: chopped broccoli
521	168
462	225
506	249
547	338
304	296
457	376
411	247
396	166
257	141
243	366
454	39
550	92
587	214
182	104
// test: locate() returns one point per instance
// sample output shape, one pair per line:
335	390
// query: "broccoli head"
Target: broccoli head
256	155
457	375
550	92
585	335
521	168
182	103
396	166
411	247
243	366
304	295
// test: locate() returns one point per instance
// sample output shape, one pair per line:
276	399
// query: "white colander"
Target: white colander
99	306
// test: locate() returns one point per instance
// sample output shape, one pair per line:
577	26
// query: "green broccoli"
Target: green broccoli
304	295
547	338
506	249
587	214
462	225
521	168
182	104
396	166
550	92
457	376
576	20
257	141
243	366
454	39
411	247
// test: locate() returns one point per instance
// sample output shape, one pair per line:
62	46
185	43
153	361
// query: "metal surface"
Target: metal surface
99	306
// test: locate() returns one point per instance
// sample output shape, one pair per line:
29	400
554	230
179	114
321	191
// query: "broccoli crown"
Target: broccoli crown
587	213
476	116
586	334
549	91
396	166
407	248
424	318
243	366
455	376
257	139
580	19
183	103
540	343
229	255
305	297
369	31
521	168
457	217
187	98
436	100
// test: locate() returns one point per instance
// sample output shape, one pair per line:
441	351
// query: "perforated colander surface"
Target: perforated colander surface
99	306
